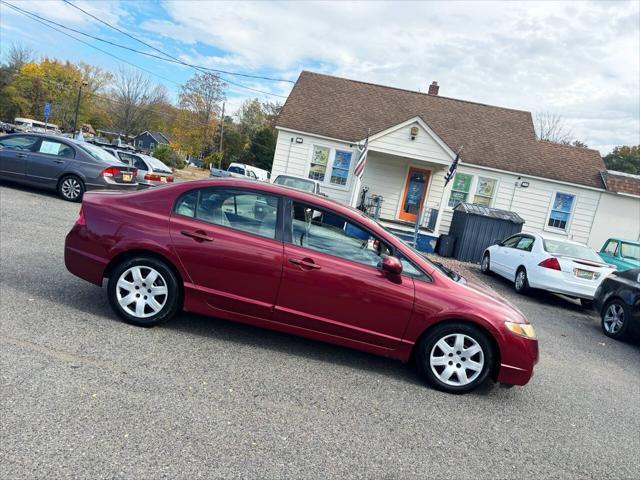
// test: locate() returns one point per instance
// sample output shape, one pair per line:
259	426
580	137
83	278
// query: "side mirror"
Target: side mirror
391	265
497	241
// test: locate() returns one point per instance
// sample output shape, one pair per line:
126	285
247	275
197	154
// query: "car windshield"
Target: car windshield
297	183
96	152
156	164
236	170
630	250
568	249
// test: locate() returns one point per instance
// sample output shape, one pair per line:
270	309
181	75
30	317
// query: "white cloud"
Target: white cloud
579	60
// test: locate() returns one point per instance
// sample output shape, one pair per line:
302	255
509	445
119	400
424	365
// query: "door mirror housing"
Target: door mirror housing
391	265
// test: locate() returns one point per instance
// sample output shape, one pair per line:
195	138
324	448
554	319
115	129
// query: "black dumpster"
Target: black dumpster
475	227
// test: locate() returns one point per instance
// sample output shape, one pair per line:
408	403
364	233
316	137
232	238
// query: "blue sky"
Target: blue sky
579	60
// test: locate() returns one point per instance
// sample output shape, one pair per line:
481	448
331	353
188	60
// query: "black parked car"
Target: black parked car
617	300
69	166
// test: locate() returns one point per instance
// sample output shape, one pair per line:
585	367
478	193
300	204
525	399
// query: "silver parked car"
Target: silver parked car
151	171
69	166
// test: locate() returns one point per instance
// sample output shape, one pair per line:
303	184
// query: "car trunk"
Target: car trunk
582	271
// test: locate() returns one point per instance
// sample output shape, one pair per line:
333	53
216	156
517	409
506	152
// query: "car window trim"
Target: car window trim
279	210
394	250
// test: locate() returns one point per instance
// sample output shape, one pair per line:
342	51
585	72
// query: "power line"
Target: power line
42	19
175	59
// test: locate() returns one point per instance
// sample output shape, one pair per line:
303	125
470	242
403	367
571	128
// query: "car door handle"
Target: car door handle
58	161
197	235
305	263
21	155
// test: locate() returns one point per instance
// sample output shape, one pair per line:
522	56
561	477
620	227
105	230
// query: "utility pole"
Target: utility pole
84	83
221	135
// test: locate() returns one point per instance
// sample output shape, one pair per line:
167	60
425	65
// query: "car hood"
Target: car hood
482	295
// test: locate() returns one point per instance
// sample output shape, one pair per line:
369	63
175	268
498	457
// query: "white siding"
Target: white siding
616	216
399	143
533	203
292	158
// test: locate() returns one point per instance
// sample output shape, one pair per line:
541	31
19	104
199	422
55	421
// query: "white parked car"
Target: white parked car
249	171
532	260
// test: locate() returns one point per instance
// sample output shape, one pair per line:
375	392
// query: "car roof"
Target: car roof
618	239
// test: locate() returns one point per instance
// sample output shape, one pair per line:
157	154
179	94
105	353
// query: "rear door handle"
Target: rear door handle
59	161
305	263
21	155
197	235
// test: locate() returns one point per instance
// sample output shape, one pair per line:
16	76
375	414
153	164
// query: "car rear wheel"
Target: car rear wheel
71	188
521	283
485	266
455	357
143	291
615	317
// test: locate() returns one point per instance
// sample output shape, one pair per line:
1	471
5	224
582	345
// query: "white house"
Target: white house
414	137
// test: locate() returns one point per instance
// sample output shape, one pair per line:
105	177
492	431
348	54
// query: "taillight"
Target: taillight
135	172
80	220
150	176
169	179
551	262
110	172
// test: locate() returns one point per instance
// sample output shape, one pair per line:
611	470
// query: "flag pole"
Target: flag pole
448	176
358	179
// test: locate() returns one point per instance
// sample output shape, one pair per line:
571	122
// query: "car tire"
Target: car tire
615	317
443	368
139	299
521	282
588	304
71	188
485	265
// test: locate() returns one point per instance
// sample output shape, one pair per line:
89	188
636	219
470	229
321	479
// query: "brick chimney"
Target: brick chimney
433	88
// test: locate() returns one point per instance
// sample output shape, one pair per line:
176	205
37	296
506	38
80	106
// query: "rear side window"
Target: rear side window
51	147
611	248
133	160
525	243
22	143
244	210
236	170
511	242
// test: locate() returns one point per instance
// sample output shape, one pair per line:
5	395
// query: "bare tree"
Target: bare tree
550	127
202	95
18	56
134	100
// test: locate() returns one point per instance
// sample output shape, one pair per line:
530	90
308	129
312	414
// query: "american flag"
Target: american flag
452	168
362	159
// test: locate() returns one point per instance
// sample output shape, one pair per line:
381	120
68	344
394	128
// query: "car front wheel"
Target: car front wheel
485	266
615	320
455	357
144	291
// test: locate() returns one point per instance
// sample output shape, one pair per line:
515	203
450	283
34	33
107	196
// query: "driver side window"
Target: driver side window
331	234
511	242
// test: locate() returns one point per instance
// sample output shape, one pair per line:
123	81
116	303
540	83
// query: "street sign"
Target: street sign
47	111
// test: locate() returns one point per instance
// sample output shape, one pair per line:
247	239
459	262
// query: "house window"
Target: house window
484	191
460	189
340	169
561	210
151	145
319	163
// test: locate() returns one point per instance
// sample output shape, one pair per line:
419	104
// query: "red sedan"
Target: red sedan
279	258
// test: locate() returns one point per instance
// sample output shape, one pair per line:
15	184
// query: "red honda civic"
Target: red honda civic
279	258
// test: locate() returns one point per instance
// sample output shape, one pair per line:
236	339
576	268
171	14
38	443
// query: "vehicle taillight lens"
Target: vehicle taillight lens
135	172
169	179
110	172
80	220
150	176
551	262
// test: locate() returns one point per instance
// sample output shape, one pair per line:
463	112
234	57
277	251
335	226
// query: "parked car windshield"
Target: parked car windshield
156	164
96	152
630	250
567	249
297	183
236	170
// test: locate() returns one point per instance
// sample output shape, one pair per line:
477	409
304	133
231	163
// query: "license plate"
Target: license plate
584	274
163	179
126	177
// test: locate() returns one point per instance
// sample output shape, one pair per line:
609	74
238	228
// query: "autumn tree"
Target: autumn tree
624	159
202	96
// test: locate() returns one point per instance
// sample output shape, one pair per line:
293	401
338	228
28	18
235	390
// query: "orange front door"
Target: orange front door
414	192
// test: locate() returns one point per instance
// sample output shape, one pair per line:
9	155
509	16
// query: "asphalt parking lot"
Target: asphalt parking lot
87	396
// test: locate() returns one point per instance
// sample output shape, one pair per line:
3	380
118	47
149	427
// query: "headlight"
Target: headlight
521	329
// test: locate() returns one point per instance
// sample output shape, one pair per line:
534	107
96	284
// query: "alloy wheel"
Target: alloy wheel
70	188
141	291
485	263
521	279
613	318
456	359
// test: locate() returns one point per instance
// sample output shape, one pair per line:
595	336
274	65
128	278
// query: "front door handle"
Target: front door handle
21	155
59	161
305	263
197	235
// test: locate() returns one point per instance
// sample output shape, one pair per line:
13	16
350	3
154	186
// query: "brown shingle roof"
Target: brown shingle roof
492	136
619	183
